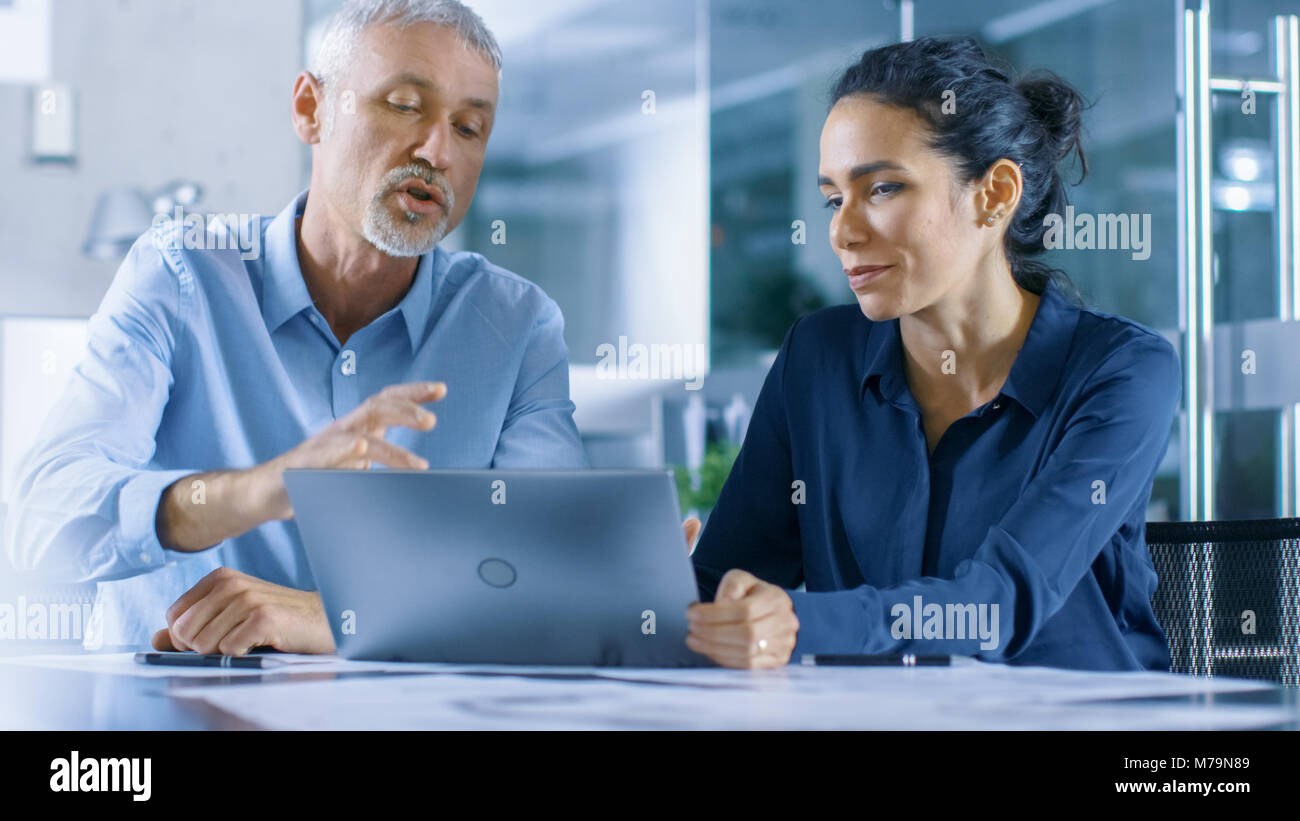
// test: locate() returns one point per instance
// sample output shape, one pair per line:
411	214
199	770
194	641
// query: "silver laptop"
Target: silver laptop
572	567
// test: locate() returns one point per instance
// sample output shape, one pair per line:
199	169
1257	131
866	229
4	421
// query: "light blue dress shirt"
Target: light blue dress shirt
200	359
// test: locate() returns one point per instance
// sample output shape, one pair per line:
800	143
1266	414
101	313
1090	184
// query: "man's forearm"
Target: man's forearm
203	509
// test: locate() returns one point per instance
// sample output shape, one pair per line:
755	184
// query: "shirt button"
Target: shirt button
144	557
997	405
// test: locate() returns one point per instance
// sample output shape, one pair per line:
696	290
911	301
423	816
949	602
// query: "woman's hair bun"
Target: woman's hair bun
1059	107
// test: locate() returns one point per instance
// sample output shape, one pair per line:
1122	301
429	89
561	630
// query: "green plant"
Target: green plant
718	459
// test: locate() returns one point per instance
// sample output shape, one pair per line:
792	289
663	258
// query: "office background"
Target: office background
651	166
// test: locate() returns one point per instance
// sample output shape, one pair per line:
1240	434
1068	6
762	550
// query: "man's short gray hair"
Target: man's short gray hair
343	32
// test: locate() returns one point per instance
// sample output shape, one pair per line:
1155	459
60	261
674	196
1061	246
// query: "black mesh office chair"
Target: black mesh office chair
1213	577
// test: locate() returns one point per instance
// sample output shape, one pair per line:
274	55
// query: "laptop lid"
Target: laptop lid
581	567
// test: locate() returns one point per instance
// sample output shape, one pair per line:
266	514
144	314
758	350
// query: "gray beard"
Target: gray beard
402	239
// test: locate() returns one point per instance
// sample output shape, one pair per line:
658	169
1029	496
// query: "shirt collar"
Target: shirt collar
285	294
1034	374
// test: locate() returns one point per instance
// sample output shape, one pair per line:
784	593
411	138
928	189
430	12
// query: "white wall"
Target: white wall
165	90
24	40
36	358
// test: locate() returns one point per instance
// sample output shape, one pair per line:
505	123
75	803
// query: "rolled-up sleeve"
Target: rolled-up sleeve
86	498
1031	560
539	431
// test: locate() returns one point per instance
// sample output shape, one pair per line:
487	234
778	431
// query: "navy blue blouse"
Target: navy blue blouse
1021	539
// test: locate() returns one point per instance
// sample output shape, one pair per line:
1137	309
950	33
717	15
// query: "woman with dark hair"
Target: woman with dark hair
961	462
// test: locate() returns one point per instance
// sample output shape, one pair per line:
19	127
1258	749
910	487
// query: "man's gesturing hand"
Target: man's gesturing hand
749	623
239	500
231	612
356	440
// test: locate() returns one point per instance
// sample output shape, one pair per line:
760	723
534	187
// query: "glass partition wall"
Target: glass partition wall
653	168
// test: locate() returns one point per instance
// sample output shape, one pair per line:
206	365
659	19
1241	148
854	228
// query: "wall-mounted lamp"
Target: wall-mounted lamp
123	213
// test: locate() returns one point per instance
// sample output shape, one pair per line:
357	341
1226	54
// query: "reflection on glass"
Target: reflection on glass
1244	195
771	67
1246	443
1239	35
594	185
